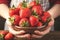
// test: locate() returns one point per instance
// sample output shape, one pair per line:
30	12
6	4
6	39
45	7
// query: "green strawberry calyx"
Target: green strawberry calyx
24	4
47	21
35	14
37	1
24	24
12	20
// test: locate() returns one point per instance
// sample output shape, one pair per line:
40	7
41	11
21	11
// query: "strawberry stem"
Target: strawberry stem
37	1
24	4
34	13
11	20
25	24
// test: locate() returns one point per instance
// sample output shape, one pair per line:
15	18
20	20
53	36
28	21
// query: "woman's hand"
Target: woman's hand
16	32
39	34
20	33
4	11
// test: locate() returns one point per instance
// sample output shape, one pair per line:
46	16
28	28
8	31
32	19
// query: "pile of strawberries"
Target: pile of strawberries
29	15
4	35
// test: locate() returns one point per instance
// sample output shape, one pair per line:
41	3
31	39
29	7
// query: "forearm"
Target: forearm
55	11
4	11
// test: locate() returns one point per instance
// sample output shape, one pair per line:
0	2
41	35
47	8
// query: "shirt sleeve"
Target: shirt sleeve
56	1
7	2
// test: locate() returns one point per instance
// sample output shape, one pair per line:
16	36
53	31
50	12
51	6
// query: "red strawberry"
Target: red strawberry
9	36
33	20
3	32
15	19
11	12
44	18
37	9
22	4
33	3
25	12
39	24
17	11
46	14
24	22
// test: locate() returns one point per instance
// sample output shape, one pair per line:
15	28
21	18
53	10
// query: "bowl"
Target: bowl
29	30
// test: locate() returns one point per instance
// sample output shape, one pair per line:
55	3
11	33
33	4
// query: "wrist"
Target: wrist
50	13
54	11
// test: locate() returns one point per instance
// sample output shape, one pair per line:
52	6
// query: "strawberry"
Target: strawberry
39	24
25	12
33	20
24	22
33	3
44	18
15	19
3	32
22	4
37	9
46	14
9	36
11	12
17	11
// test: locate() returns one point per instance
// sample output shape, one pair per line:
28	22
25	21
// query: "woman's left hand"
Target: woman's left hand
39	34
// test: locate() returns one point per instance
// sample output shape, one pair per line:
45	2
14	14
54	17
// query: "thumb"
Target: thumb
51	23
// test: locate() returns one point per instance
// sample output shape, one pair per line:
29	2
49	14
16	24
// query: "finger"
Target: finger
11	30
23	36
42	32
36	36
51	23
47	29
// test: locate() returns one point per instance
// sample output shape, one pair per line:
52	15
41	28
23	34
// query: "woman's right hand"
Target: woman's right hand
20	33
16	32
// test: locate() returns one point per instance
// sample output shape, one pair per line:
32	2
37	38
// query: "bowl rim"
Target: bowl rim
18	27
